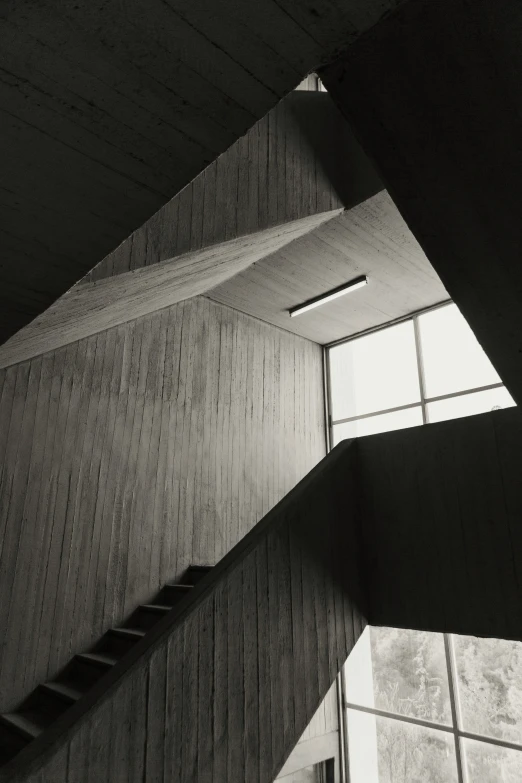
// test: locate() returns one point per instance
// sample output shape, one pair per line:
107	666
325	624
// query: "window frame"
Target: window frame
424	399
459	734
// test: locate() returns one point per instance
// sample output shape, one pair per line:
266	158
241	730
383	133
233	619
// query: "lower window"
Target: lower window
433	708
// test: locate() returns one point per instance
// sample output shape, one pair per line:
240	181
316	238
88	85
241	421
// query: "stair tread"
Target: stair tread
128	633
27	726
156	607
196	573
172	594
107	660
22	724
64	690
179	588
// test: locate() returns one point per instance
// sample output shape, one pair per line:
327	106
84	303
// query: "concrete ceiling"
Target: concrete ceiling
370	239
299	160
294	169
109	109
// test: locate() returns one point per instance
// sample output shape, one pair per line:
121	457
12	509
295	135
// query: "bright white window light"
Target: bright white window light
359	282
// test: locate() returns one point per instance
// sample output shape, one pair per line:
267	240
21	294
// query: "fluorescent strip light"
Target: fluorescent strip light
359	282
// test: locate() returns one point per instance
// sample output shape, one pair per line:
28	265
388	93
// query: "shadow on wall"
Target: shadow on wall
333	549
326	131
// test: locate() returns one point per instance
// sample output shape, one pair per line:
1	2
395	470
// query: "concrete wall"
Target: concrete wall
133	453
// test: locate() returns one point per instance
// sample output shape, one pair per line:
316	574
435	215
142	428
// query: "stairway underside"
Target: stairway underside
94	307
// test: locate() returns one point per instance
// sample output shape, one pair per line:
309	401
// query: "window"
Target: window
453	360
424	707
433	708
426	369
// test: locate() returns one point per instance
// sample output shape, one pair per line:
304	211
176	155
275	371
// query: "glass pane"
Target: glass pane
358	672
363	753
374	373
452	357
384	750
469	404
489	677
491	764
399	420
400	671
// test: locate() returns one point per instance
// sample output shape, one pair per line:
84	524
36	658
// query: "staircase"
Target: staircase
50	700
217	679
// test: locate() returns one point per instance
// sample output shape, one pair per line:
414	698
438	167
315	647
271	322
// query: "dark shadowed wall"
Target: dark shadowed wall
133	453
433	94
441	513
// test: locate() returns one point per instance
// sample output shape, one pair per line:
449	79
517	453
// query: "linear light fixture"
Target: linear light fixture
335	293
